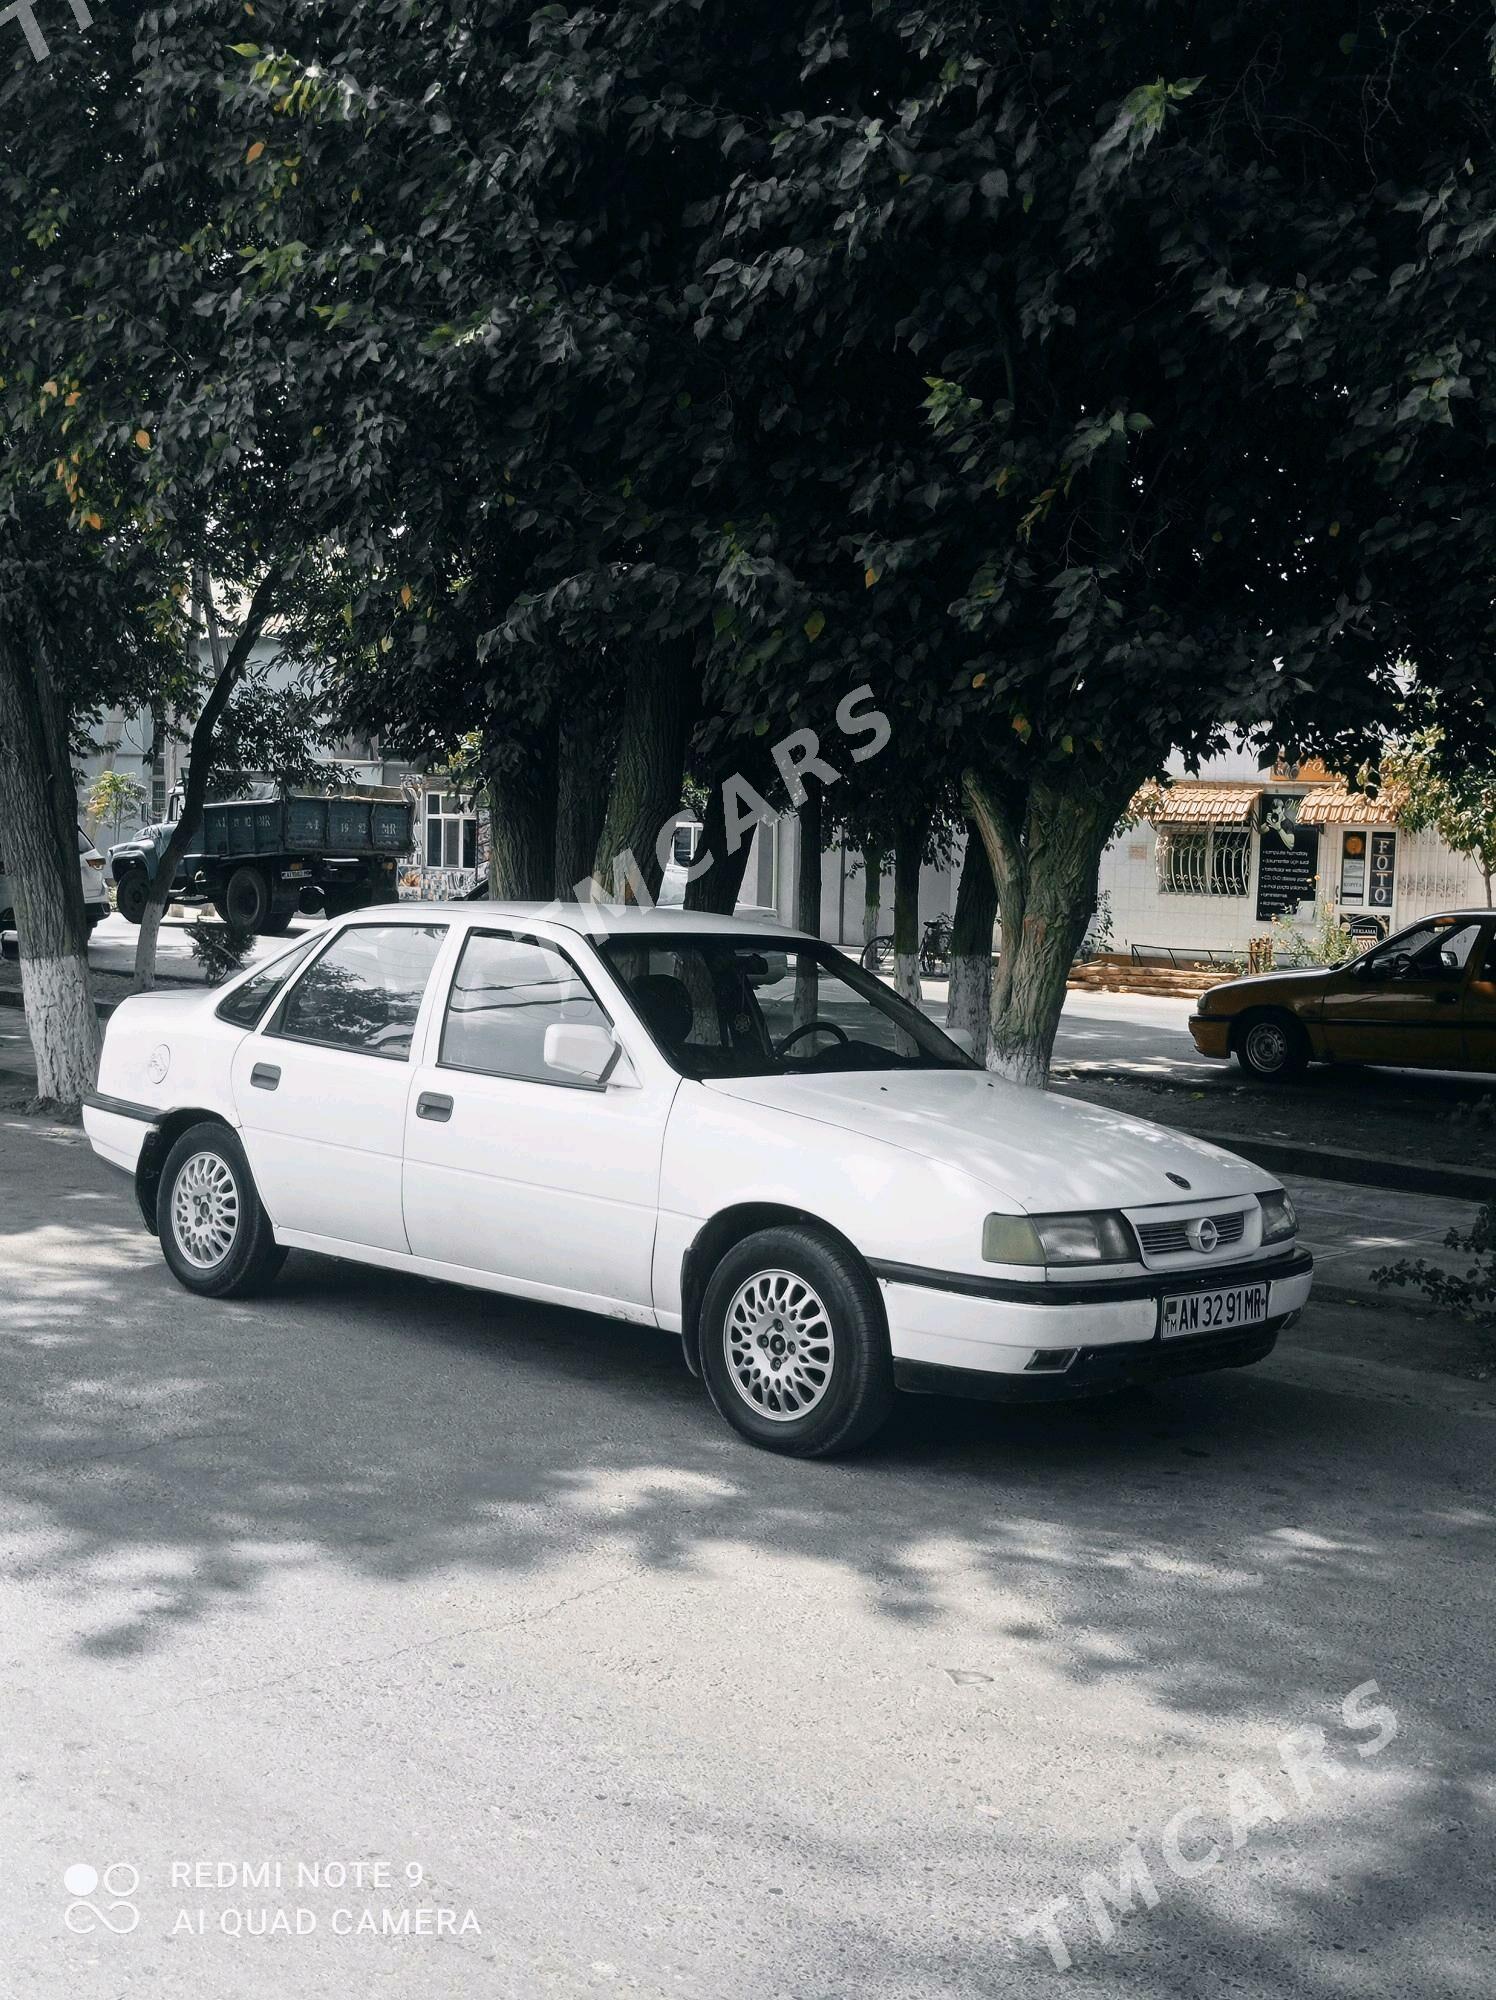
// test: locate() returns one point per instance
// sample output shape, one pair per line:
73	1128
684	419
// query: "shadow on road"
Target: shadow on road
400	1429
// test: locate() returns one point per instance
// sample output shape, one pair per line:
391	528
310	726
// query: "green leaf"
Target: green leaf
815	625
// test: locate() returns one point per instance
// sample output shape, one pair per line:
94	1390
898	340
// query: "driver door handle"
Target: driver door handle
433	1105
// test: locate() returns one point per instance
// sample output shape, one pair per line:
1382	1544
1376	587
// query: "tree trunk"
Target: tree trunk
872	892
808	897
644	797
522	822
227	669
583	744
1045	847
717	888
969	1004
39	839
908	854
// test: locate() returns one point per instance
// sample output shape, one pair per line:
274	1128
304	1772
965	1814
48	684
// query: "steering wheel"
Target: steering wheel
831	1028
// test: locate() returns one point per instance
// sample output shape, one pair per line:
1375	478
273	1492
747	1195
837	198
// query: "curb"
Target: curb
1378	1170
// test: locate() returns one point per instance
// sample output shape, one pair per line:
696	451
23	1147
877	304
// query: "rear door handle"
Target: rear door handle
431	1104
264	1076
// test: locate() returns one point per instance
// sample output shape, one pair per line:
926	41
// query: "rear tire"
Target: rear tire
215	1234
131	895
278	922
244	900
793	1344
1272	1047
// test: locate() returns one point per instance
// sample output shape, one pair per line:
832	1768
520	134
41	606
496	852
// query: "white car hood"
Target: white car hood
1041	1151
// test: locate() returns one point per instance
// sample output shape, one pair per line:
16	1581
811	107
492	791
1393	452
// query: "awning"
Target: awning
1196	802
1336	805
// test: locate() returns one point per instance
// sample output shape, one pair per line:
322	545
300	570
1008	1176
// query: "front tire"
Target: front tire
131	895
215	1234
1272	1047
793	1344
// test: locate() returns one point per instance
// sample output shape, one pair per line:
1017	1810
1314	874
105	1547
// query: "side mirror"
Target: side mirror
583	1050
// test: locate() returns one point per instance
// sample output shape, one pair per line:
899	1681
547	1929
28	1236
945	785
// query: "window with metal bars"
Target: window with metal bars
1203	860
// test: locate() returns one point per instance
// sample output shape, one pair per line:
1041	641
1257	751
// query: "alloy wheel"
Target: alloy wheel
779	1346
205	1210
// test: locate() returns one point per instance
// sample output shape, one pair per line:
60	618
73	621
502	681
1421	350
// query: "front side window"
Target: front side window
1429	951
244	1006
721	1006
364	992
507	992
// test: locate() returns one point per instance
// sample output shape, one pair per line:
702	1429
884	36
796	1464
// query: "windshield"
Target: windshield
728	1006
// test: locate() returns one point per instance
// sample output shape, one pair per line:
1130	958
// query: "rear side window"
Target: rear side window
507	992
364	992
244	1006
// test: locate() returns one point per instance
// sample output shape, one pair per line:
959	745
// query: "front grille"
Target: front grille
1171	1239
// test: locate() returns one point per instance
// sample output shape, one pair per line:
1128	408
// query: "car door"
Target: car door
1403	1002
1480	1006
321	1086
514	1169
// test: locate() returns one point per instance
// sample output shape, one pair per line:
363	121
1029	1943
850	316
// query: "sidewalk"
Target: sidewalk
1354	1230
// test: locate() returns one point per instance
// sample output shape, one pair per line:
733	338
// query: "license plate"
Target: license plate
295	872
1213	1312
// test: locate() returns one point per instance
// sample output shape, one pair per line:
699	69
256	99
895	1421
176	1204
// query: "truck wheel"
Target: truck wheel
278	922
132	894
244	900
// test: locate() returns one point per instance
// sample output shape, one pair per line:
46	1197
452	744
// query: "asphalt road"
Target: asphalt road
379	1574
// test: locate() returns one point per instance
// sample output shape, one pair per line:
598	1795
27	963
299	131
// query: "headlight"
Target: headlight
1279	1219
1102	1237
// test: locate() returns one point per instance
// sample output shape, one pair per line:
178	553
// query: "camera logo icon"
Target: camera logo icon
116	1912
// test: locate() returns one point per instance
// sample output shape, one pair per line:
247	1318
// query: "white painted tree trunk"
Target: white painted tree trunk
38	835
1045	844
63	1026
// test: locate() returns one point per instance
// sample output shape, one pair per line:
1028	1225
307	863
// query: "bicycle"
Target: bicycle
934	951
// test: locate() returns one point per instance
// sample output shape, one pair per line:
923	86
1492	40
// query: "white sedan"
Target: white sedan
727	1131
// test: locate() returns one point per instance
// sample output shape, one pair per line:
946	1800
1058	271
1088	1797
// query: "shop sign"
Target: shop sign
1383	870
1353	868
1287	860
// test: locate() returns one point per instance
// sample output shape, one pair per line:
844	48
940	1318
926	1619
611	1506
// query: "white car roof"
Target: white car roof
590	920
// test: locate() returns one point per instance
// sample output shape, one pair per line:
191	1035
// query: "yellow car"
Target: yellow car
1425	999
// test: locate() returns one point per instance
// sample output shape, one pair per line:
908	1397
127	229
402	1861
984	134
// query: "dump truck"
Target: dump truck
260	859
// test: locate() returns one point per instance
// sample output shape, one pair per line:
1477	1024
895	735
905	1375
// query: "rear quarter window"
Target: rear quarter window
244	1006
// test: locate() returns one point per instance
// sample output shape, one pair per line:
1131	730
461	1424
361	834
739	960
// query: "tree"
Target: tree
113	797
1432	790
1130	364
86	621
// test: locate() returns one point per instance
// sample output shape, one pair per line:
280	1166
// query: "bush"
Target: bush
1474	1293
219	950
1328	942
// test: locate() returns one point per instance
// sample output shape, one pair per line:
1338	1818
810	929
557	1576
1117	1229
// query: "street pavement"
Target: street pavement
481	1600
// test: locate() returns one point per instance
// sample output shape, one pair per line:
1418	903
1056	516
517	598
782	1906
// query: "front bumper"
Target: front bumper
1211	1033
952	1333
